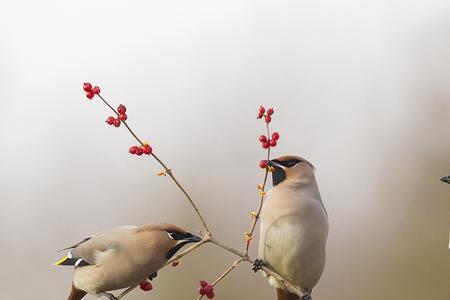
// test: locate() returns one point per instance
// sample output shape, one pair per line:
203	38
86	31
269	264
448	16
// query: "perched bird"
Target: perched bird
122	256
446	179
294	227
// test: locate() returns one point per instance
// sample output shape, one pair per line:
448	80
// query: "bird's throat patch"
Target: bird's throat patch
278	175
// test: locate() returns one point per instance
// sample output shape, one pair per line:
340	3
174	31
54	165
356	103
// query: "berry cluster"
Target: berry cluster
122	116
266	142
139	150
90	91
206	289
266	114
146	285
269	140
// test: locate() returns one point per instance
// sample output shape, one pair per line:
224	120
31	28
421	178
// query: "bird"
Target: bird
294	227
119	257
446	179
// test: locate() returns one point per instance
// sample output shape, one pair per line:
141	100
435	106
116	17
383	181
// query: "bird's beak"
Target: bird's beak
193	239
274	163
446	179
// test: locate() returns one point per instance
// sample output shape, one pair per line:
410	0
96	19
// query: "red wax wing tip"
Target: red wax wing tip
116	123
203	283
273	143
146	285
270	111
263	138
268	119
121	109
90	95
110	120
275	136
133	149
263	164
262	109
87	87
96	90
123	117
176	262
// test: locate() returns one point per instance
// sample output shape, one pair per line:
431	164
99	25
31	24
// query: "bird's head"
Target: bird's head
446	179
291	168
172	238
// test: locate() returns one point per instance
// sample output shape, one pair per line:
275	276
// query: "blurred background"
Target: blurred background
360	88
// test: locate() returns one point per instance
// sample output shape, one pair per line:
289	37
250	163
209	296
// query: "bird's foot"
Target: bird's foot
257	265
306	296
108	295
153	275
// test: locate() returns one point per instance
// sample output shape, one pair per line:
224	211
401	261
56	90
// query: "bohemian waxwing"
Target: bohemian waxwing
122	256
294	227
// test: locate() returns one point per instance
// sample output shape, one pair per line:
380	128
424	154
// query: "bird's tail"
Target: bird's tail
76	294
286	295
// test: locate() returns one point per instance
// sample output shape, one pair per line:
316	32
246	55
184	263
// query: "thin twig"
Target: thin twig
166	169
249	234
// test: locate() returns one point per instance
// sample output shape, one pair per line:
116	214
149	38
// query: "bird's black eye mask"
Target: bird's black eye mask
278	174
183	238
177	236
287	163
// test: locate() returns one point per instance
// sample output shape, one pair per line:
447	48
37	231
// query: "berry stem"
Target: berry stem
261	200
168	171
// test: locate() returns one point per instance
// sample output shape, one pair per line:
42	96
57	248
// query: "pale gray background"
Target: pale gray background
361	88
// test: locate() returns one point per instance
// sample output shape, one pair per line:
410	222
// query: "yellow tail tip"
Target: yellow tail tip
60	261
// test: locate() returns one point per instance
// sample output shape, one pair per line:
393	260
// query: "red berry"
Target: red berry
210	295
265	145
96	90
275	136
203	283
121	109
273	143
123	117
260	115
146	285
90	95
270	111
263	164
262	109
209	289
87	87
147	149
110	120
133	149
116	122
268	119
139	151
175	263
263	138
201	291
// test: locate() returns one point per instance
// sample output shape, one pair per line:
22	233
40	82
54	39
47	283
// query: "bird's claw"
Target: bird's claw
153	275
109	296
257	265
306	296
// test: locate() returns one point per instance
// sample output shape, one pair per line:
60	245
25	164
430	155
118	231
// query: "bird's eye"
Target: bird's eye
172	234
292	162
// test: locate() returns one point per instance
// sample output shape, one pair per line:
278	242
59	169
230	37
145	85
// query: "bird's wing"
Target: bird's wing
88	250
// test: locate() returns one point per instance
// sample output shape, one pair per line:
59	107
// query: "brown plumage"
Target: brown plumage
119	257
286	295
76	294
